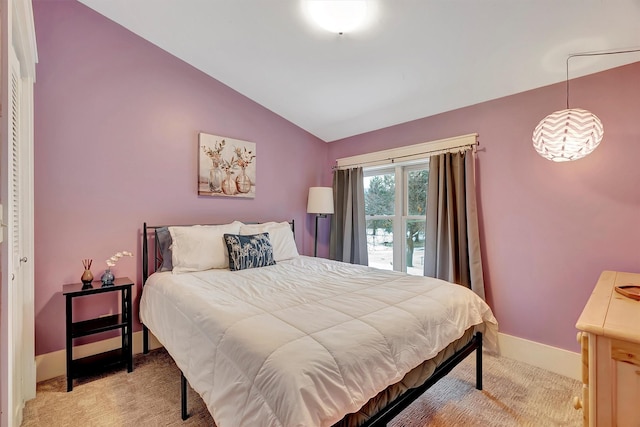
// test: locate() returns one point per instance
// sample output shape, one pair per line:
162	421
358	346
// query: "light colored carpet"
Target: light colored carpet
515	394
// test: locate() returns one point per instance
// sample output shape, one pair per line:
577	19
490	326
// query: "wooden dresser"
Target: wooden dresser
610	340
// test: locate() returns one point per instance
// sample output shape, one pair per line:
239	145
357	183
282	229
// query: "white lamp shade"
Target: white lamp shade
338	16
320	200
567	135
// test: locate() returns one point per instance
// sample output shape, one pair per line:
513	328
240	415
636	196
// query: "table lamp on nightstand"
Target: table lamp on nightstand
320	203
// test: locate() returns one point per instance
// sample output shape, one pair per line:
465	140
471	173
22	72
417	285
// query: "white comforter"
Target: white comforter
306	341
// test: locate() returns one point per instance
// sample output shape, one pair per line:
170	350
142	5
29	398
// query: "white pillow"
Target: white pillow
280	236
200	247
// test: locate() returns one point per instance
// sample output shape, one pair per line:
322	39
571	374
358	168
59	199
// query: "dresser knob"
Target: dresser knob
577	402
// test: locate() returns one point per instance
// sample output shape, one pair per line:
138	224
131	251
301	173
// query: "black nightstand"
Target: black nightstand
95	363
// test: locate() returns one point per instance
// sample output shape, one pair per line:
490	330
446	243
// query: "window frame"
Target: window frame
401	205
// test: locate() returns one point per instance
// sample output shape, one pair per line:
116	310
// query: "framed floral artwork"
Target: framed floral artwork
226	166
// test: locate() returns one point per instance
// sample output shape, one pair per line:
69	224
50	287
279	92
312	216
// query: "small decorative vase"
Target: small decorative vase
243	183
216	177
87	277
229	185
107	277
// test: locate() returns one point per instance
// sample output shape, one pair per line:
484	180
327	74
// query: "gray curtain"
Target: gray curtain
348	226
452	244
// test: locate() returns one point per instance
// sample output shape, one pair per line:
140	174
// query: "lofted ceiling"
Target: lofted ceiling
417	58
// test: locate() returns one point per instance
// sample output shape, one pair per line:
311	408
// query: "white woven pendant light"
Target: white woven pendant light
573	133
567	135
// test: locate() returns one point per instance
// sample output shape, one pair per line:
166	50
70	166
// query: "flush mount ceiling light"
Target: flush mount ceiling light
338	16
572	133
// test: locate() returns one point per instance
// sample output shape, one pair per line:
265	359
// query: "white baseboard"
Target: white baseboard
54	364
563	362
543	356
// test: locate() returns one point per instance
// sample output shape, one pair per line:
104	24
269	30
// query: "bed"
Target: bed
268	337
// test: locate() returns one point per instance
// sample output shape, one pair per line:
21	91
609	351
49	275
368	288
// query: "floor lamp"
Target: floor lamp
320	203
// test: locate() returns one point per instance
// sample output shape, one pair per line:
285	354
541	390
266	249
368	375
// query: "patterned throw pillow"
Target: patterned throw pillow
249	251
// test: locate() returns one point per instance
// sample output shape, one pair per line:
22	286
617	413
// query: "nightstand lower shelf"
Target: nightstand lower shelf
100	324
97	363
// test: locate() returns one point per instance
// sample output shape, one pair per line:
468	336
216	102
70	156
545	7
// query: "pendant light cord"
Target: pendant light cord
612	52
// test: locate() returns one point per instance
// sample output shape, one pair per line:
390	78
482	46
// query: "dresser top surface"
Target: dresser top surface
609	313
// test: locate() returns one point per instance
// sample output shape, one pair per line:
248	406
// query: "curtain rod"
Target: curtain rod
392	160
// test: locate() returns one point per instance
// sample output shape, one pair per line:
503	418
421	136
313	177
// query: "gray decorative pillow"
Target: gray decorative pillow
249	251
164	244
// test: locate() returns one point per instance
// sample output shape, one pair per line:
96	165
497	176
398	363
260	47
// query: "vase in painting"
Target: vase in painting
243	182
216	177
229	185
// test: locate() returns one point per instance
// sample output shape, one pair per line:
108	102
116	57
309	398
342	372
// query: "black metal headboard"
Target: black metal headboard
145	250
157	256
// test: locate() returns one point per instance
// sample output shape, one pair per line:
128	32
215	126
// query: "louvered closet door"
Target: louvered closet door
21	357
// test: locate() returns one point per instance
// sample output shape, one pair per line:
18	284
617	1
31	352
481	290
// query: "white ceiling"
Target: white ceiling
416	59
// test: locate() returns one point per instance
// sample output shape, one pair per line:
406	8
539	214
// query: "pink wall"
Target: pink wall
116	140
548	229
116	127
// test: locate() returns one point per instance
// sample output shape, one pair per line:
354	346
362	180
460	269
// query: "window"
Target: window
395	205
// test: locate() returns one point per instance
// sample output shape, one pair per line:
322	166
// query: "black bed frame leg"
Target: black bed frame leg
479	361
183	396
145	339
